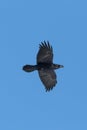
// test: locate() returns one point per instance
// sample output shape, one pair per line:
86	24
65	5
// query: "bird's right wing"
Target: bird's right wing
45	53
48	78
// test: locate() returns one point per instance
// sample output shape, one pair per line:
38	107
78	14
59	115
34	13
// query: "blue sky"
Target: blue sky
24	104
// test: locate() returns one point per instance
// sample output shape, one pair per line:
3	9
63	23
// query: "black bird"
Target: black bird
45	66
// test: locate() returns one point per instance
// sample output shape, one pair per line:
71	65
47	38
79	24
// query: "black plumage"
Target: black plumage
45	66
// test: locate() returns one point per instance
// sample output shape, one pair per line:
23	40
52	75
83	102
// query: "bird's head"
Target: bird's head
57	66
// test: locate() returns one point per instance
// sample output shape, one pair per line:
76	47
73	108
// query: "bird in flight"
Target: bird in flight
45	66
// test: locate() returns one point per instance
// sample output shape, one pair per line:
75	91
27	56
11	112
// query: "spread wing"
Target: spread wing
48	78
45	53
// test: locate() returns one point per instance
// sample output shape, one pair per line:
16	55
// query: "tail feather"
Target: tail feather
29	68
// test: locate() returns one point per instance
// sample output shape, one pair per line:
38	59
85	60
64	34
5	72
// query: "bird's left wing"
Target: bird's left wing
48	78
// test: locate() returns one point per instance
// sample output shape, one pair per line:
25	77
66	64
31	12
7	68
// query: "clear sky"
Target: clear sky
24	104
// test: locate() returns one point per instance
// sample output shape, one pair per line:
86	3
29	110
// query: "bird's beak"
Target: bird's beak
61	66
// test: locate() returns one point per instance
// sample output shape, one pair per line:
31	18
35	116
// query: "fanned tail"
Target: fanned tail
29	68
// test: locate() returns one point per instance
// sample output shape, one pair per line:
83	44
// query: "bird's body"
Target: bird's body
45	66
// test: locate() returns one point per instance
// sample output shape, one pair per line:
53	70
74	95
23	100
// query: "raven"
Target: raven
45	66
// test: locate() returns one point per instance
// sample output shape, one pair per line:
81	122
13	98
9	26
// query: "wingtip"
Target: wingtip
49	89
45	44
